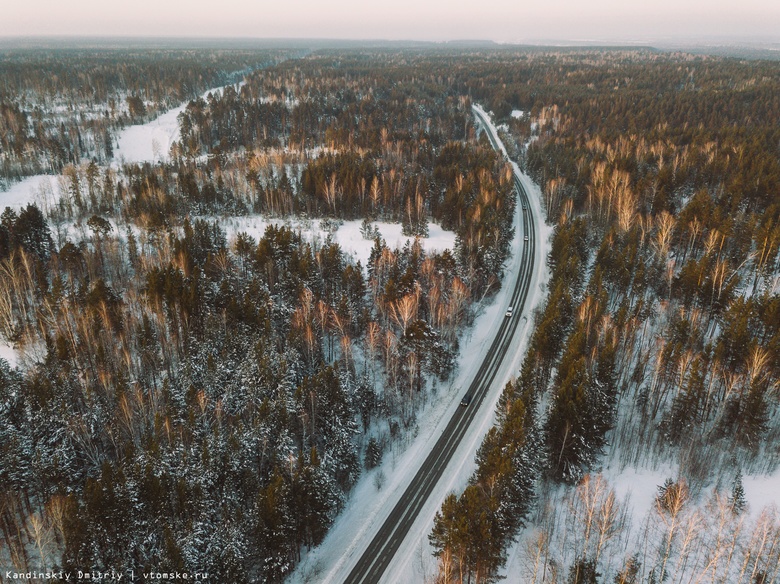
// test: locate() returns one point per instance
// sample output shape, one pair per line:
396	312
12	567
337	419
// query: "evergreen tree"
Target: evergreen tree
373	454
630	573
583	572
569	426
737	500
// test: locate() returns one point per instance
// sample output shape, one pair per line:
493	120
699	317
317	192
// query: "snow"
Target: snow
641	485
635	489
151	142
348	235
638	487
42	189
761	491
367	509
490	127
517	114
8	353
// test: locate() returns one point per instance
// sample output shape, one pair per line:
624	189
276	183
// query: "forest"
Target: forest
204	400
658	344
61	107
199	398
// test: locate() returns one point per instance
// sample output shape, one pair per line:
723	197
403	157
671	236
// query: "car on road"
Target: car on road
525	238
466	400
524	207
509	311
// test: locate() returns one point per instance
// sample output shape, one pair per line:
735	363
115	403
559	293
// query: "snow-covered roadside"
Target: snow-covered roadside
367	508
491	128
414	561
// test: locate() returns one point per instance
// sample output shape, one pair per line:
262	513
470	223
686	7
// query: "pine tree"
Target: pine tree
373	454
449	538
583	572
737	500
569	426
630	573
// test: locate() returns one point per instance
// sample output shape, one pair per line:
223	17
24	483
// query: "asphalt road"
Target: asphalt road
375	560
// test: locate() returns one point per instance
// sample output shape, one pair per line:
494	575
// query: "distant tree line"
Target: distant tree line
60	107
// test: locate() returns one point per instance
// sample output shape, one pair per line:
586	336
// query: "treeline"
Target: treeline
333	99
64	106
659	339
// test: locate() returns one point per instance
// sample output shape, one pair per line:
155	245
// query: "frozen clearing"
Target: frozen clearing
761	491
639	486
8	353
348	235
41	189
368	507
151	142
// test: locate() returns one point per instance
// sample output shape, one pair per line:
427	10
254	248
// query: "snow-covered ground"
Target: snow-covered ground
8	353
348	235
639	487
41	189
367	508
151	142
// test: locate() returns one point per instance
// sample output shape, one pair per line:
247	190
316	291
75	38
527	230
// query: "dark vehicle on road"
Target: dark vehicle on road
466	400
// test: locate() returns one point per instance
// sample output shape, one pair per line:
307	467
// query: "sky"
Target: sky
432	20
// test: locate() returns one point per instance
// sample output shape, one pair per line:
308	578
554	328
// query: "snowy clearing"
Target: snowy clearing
41	189
151	142
348	234
8	353
761	491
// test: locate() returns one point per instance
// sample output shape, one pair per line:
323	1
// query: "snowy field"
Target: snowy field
8	353
41	189
151	142
368	507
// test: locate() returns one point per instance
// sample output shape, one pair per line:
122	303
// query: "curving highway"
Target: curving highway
375	560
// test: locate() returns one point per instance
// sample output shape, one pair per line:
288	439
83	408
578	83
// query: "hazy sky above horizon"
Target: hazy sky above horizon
437	20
